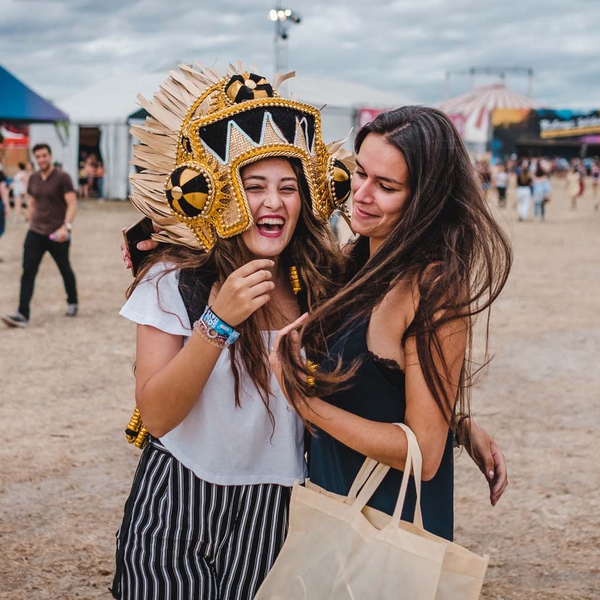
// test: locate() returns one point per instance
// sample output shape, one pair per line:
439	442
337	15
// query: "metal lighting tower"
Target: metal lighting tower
282	17
490	70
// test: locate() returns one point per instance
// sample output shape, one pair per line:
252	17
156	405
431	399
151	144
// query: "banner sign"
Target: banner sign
568	127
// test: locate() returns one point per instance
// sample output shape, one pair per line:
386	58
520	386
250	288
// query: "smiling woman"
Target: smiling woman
207	513
428	257
273	193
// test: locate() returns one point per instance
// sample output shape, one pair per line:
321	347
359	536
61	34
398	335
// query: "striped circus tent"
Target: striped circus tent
471	112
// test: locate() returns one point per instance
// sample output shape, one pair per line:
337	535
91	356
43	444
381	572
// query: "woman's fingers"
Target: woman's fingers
146	245
257	277
253	266
285	330
277	340
500	481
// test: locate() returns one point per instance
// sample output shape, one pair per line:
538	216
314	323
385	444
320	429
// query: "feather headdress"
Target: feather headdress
202	129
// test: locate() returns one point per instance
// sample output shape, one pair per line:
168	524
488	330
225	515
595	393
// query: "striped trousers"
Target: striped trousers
184	538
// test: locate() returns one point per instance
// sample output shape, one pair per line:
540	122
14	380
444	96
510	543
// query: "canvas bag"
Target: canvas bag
339	549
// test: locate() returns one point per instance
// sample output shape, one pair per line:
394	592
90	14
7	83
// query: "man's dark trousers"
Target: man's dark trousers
36	246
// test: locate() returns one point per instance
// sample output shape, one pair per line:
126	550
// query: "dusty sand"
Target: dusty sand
66	393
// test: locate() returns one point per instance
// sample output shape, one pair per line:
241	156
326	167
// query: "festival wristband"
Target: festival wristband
215	328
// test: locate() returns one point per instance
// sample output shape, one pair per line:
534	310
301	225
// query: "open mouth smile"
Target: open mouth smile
270	226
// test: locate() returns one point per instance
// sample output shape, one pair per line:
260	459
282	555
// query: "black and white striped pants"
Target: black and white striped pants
184	538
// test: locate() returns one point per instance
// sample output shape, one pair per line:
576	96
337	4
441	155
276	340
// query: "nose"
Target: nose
360	190
272	199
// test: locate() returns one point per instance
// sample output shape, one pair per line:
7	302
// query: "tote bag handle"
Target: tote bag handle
417	467
372	473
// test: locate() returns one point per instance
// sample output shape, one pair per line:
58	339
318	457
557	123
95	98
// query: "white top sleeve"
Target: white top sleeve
156	301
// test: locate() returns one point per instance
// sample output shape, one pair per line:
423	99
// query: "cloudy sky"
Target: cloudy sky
58	47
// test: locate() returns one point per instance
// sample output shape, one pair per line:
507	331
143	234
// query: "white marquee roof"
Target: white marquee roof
114	99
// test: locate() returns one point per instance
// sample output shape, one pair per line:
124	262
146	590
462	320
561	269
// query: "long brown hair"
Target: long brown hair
447	243
312	250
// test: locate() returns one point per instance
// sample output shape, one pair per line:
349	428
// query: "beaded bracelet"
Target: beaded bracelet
215	331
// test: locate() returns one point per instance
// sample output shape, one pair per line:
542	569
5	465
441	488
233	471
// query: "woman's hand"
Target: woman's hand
274	358
144	246
244	291
489	458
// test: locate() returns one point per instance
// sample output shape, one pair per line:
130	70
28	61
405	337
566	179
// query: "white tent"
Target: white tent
110	104
471	112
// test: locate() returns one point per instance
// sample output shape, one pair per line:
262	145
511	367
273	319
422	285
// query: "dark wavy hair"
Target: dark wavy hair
312	250
447	244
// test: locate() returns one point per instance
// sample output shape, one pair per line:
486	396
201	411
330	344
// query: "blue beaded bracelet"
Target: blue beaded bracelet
218	329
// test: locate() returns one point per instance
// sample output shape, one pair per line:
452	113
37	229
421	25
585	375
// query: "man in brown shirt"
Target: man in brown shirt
51	210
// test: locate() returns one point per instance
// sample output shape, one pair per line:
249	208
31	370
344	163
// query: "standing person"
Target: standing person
83	187
501	183
595	172
484	173
19	188
3	204
51	212
541	190
207	513
250	194
429	257
90	169
99	184
574	185
524	181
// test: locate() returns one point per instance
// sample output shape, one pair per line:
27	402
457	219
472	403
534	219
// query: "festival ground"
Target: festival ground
66	394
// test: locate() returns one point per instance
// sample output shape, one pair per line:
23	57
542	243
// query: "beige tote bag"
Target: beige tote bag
339	549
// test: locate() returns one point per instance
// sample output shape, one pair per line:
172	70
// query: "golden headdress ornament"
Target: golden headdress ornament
202	129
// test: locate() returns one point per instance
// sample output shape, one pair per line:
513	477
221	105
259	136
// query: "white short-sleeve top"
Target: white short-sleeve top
219	442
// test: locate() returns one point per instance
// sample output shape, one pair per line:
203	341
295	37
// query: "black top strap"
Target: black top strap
194	287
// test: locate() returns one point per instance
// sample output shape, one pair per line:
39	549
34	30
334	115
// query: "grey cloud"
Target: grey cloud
404	46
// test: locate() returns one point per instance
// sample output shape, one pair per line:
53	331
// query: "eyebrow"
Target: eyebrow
263	178
380	177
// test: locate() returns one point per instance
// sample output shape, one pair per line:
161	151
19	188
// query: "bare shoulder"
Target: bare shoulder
390	320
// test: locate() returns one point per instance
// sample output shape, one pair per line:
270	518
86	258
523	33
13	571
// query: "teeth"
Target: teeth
270	221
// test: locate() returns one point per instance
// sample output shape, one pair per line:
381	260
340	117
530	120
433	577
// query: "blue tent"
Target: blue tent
19	103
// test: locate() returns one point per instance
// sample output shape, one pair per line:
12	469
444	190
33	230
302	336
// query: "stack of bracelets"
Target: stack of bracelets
215	331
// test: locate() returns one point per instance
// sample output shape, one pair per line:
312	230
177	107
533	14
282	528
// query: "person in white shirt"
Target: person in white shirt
251	190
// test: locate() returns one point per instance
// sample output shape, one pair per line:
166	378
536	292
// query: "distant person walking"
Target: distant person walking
541	190
524	182
3	204
595	180
574	185
51	210
501	183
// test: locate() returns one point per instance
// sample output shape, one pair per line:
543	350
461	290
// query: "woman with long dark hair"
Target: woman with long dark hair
394	344
239	181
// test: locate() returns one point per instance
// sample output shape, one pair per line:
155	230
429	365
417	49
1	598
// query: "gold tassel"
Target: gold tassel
295	280
313	366
136	433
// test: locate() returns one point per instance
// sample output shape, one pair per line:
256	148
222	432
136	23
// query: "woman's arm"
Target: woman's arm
170	376
384	441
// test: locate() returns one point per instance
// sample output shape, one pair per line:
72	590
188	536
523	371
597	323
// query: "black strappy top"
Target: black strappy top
378	394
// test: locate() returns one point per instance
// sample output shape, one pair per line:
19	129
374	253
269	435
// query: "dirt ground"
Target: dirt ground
66	394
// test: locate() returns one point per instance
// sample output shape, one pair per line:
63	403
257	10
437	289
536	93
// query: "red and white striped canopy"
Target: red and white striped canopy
476	106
